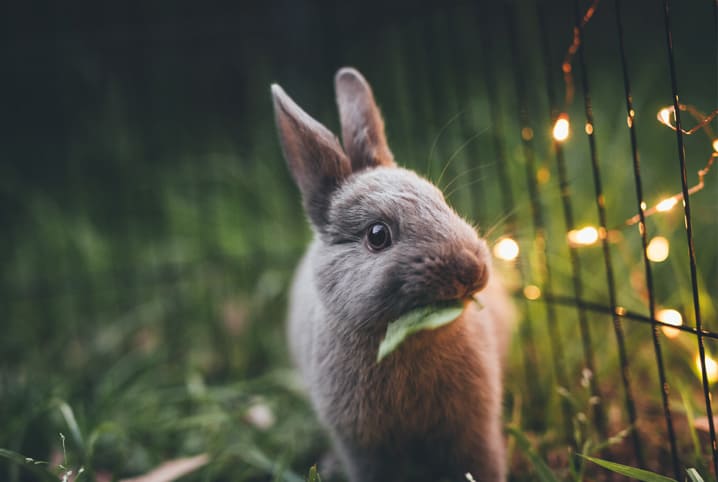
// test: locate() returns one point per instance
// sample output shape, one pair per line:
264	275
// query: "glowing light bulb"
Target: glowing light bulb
664	115
532	292
658	249
543	175
666	205
711	368
562	128
629	118
582	237
506	249
589	128
672	317
715	145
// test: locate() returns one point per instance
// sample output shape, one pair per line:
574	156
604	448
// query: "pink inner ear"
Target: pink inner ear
362	124
313	154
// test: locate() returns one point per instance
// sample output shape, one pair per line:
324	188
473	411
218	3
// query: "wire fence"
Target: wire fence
612	308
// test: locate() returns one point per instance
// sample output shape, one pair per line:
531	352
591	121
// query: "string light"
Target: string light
666	204
506	249
667	117
562	128
582	237
664	115
532	292
672	317
543	175
629	118
567	67
658	249
527	133
711	367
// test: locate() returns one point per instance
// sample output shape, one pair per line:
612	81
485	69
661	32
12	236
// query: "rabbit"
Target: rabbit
386	242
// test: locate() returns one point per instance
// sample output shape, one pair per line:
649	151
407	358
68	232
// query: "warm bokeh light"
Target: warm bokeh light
664	115
658	249
666	205
711	368
715	145
506	249
543	175
532	292
672	317
629	118
589	128
562	128
582	237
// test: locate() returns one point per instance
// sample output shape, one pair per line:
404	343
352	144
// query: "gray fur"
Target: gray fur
432	409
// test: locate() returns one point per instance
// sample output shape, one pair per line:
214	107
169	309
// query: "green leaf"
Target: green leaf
693	475
638	474
424	318
543	472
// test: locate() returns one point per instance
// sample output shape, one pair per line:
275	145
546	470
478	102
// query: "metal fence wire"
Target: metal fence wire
613	310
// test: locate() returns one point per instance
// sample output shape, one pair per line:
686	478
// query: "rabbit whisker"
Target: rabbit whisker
464	186
437	137
457	152
464	173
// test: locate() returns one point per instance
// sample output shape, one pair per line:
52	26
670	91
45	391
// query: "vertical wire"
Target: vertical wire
537	220
508	205
689	229
601	208
642	225
576	273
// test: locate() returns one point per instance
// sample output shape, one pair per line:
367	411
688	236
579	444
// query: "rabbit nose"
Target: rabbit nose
471	273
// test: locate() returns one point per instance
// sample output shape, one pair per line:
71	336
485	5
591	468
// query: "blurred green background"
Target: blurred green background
150	227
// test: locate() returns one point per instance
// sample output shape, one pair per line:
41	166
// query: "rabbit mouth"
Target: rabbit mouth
443	303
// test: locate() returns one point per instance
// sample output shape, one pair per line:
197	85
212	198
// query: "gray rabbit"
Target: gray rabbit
385	242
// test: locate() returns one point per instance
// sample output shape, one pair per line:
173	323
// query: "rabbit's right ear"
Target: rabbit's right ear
315	158
362	124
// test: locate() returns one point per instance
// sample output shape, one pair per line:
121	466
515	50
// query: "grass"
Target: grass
147	254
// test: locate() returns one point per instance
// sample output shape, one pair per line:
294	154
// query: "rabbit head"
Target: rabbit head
387	241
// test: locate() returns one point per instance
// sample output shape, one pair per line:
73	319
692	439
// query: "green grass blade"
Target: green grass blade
38	468
693	475
638	474
543	471
424	318
71	421
314	475
697	452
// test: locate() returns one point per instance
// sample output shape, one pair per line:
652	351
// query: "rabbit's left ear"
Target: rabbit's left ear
362	124
313	154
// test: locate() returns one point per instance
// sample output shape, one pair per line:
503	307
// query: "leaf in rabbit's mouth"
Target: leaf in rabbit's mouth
422	318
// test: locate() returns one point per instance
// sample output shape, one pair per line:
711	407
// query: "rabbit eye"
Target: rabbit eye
378	236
